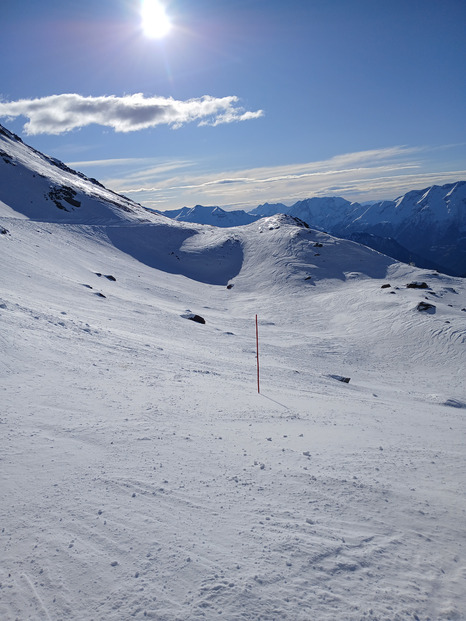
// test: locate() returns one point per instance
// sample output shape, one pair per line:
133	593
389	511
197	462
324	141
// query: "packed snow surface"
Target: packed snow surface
144	476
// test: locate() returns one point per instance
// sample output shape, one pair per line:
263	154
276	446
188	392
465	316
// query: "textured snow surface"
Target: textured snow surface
143	476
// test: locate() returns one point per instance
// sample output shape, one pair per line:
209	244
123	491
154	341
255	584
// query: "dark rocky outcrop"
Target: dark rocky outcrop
417	285
193	317
341	378
426	306
197	318
107	276
57	194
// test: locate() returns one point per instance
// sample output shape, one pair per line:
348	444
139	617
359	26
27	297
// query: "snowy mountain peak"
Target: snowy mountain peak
269	209
214	216
441	202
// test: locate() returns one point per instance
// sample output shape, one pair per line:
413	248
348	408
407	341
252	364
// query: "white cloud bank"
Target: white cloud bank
58	114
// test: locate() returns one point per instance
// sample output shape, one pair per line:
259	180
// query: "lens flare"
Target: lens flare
155	22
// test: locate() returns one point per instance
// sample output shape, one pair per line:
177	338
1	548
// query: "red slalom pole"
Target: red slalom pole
257	355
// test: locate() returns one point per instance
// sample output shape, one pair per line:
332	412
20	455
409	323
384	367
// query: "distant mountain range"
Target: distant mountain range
425	227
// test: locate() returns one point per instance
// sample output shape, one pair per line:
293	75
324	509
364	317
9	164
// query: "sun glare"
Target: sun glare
155	22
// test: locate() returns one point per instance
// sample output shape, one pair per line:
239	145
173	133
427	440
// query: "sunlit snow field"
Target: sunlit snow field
143	476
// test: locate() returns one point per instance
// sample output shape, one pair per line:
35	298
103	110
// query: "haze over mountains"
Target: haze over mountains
142	473
426	227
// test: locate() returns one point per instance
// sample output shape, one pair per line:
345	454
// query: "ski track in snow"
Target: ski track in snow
142	476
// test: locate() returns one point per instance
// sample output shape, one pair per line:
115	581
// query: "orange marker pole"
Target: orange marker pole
257	355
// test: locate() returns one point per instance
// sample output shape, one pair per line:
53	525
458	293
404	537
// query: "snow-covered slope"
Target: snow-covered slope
42	188
143	475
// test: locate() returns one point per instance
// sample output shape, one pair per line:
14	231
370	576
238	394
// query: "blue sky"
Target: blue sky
243	101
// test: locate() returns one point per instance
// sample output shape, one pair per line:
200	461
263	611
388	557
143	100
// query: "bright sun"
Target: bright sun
155	22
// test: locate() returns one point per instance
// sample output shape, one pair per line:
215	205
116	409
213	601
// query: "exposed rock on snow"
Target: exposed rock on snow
193	317
341	378
417	285
455	403
107	276
426	306
63	193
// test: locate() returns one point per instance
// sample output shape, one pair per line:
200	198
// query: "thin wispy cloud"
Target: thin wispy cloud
374	161
363	175
392	158
115	161
57	114
136	167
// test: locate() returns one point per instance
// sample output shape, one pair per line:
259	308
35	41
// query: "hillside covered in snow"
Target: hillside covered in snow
42	188
142	473
425	227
